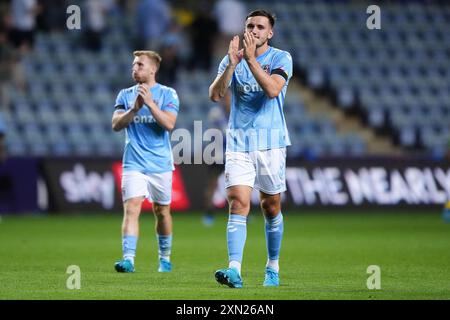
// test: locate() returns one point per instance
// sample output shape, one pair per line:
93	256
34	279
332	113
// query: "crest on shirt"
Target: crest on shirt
239	70
266	68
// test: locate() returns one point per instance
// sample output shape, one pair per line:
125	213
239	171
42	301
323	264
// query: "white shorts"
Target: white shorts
263	170
157	187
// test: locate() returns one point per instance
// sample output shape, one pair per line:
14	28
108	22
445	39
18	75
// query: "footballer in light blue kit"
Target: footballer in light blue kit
258	76
148	112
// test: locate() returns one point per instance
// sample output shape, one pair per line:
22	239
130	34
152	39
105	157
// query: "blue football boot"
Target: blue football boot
272	278
164	266
124	266
230	277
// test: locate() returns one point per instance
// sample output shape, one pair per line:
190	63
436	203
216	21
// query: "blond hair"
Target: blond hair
152	55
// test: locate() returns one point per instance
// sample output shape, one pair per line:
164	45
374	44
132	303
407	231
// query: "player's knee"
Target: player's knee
270	206
131	214
238	205
161	211
133	207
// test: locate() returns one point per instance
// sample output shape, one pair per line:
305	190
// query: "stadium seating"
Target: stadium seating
396	79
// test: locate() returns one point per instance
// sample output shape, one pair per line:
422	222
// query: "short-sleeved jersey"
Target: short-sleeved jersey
257	122
147	144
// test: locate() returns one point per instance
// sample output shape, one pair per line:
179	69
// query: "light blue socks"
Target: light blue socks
164	246
236	236
274	234
129	247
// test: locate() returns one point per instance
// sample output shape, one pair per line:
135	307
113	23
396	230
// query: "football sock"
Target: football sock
274	234
164	246
273	264
236	265
236	236
129	247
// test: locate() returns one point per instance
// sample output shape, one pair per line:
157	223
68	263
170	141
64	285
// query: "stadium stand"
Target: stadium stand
397	80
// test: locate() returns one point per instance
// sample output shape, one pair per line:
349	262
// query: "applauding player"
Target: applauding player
148	112
257	138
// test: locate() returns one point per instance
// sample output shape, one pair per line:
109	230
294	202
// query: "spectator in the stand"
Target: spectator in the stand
128	7
96	15
8	68
51	16
203	32
230	14
172	51
24	14
152	21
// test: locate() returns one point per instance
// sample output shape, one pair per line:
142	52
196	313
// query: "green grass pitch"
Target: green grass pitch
324	256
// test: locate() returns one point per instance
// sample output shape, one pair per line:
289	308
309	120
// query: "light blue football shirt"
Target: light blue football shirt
257	122
147	144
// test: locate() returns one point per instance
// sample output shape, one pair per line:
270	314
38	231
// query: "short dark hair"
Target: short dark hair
262	13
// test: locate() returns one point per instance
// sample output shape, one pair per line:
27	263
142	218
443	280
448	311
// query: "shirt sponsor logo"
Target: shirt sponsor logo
247	88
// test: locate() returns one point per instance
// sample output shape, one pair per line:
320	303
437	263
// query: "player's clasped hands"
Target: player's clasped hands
248	52
145	94
144	97
138	103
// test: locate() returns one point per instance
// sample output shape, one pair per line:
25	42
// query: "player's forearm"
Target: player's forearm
219	87
122	120
164	119
265	81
